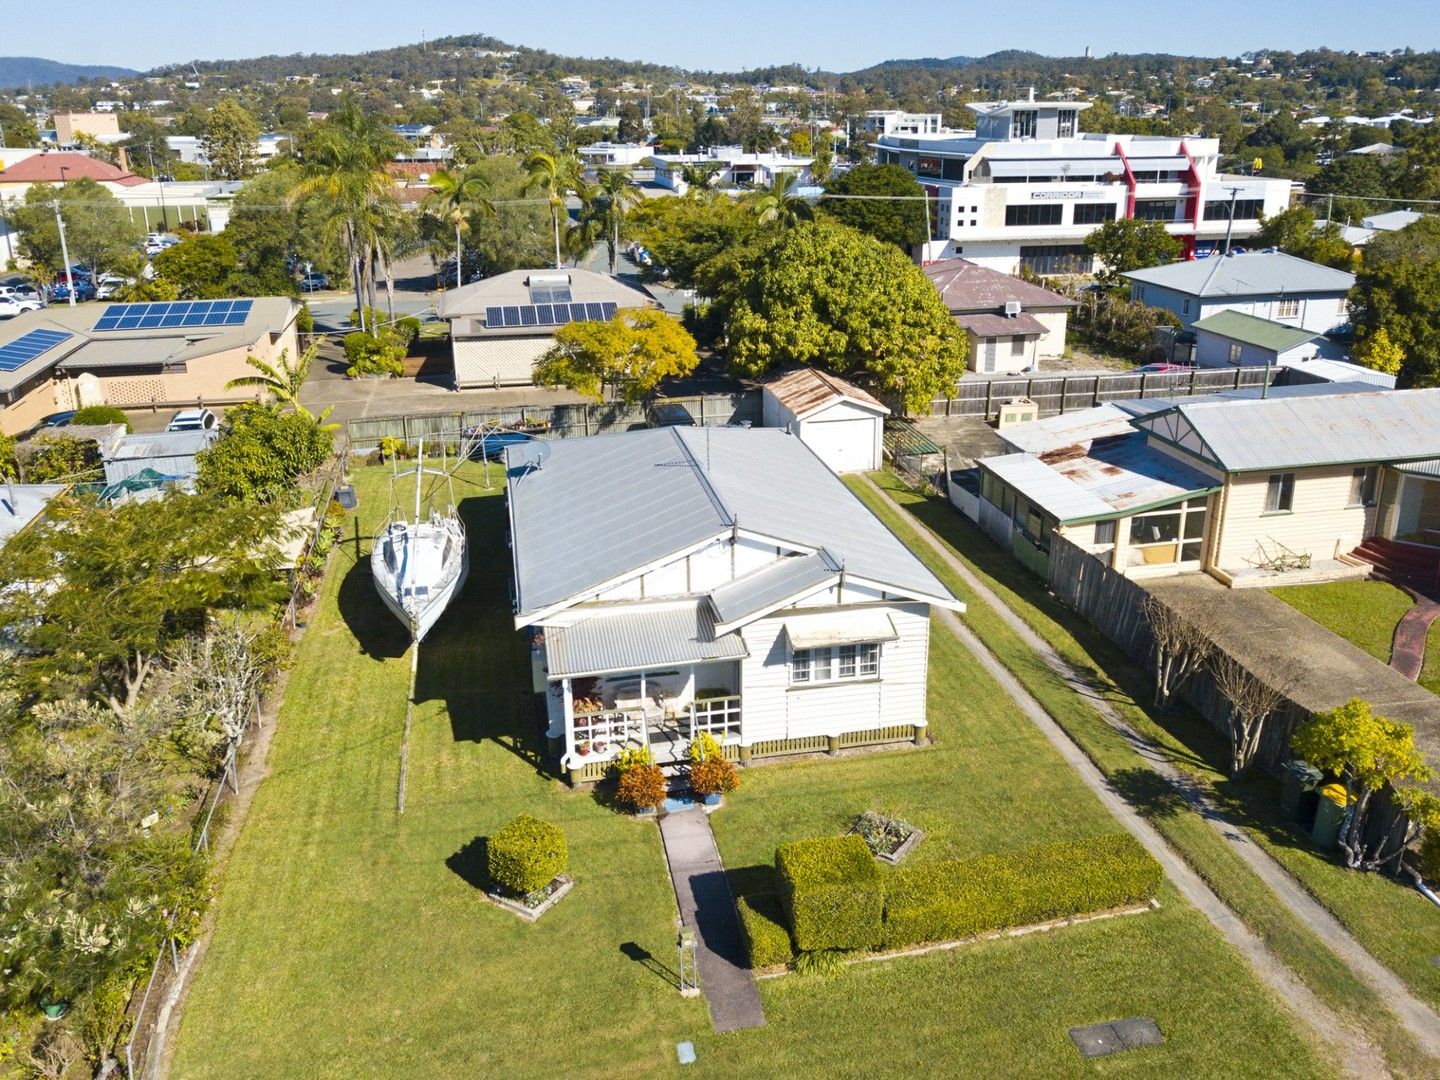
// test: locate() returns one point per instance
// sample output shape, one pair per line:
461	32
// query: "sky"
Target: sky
728	35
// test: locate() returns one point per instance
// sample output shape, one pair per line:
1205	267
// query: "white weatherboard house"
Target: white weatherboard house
680	580
841	423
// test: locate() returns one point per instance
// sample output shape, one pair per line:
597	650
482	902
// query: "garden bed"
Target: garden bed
889	839
532	906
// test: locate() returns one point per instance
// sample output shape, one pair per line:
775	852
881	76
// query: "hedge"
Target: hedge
833	893
950	900
526	855
767	941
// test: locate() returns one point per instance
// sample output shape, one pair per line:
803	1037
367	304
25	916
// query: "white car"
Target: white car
107	285
10	308
192	420
22	295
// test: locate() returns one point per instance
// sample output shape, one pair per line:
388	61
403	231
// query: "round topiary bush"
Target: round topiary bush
526	855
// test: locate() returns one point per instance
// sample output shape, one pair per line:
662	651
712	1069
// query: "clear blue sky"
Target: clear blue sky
838	35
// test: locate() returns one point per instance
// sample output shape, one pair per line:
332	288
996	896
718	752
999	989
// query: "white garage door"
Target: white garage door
845	445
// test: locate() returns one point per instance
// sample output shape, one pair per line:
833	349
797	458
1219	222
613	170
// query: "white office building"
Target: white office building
1027	186
735	168
896	122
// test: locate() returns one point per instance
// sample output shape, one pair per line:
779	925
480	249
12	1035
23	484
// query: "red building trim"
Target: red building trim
1192	201
1129	181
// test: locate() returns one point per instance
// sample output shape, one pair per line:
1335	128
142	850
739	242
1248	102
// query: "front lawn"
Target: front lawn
352	942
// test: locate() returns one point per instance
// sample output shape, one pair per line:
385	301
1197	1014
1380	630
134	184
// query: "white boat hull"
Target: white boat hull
418	570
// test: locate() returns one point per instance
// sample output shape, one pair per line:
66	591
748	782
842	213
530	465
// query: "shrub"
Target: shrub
100	414
1430	856
526	855
956	899
642	787
394	448
262	453
50	457
633	756
305	320
714	776
370	354
703	747
767	941
407	328
833	893
823	964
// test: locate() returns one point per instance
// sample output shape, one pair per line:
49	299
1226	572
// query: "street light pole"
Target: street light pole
64	251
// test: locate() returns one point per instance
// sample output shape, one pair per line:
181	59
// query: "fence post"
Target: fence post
1193	373
1064	392
1237	377
989	391
1144	377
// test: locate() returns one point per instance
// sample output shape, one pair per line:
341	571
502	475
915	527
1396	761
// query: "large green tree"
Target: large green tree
823	293
229	140
1397	289
628	355
1294	232
683	235
201	266
553	175
99	231
19	128
1130	244
261	452
880	200
454	198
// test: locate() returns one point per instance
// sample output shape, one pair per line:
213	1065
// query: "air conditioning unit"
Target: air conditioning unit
1019	410
1012	308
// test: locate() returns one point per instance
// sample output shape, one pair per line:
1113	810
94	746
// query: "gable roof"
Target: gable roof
807	390
986	326
601	508
467	304
1251	273
1253	330
62	166
1374	425
967	287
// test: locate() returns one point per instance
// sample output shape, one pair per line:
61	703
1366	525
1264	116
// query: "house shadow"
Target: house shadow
470	864
378	632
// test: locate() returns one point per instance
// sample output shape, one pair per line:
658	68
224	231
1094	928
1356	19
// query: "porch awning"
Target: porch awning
639	639
839	628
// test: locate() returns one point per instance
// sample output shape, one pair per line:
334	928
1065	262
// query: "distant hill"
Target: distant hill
27	70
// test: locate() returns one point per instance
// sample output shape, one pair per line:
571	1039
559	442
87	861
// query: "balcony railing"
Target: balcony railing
599	736
718	717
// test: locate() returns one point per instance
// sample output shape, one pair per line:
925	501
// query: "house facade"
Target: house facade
674	581
1013	324
1265	284
1234	339
734	168
1026	186
1254	491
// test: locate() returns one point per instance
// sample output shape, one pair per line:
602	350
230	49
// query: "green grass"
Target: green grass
350	942
1365	902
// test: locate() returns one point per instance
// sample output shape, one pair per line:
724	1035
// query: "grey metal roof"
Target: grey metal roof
599	508
1376	425
776	583
639	638
586	286
1251	273
162	444
21	504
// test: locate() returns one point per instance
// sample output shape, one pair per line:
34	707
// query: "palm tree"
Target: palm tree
283	380
590	224
343	167
456	196
699	177
780	205
617	195
553	174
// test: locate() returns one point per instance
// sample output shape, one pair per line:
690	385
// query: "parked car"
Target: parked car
493	445
84	289
314	282
57	419
192	420
158	242
108	284
9	308
24	295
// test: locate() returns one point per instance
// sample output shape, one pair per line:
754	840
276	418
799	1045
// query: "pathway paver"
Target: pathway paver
706	905
1359	1056
1407	653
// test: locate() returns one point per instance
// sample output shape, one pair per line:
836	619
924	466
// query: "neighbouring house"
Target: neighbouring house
841	423
1013	324
500	326
1267	284
167	454
1232	338
98	125
22	504
611	155
156	355
681	580
1392	221
61	167
734	169
1254	490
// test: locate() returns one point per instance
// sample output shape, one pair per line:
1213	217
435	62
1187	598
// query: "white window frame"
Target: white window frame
1280	493
1287	307
833	664
1236	353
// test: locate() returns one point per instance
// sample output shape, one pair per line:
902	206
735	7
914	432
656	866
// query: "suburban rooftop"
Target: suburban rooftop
1248	273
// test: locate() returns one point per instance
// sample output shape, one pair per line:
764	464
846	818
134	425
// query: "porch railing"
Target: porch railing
718	717
605	734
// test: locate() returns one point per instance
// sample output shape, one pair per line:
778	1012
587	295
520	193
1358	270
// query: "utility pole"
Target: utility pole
1230	225
64	251
164	214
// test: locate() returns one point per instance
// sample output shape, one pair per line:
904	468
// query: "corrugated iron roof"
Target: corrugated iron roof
637	639
1251	273
1001	325
806	390
776	583
511	287
1253	330
965	286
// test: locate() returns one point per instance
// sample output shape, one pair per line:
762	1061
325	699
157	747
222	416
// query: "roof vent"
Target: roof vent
1012	308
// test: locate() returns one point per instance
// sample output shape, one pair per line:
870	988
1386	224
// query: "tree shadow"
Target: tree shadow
378	632
716	920
470	863
646	959
1150	793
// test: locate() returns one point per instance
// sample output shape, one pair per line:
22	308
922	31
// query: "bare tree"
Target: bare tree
216	679
1182	643
1252	698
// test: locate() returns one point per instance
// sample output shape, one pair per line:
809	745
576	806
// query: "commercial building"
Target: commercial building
734	168
69	125
896	122
1027	186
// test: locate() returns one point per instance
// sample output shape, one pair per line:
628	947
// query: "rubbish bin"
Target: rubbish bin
1298	795
1329	816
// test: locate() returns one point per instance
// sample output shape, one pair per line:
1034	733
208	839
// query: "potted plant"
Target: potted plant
641	784
712	778
584	748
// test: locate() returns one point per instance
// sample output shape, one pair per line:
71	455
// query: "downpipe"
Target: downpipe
1420	885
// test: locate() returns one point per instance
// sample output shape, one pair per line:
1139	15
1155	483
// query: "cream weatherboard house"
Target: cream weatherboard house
679	580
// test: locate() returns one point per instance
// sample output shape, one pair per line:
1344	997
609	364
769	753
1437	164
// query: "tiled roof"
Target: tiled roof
63	166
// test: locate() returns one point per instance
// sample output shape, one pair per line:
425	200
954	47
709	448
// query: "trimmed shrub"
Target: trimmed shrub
642	787
1430	856
956	899
526	855
713	776
767	941
833	893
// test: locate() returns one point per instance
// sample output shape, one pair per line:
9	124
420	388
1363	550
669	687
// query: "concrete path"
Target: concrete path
1407	654
703	893
1359	1056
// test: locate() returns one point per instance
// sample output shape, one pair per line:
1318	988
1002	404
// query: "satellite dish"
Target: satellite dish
530	456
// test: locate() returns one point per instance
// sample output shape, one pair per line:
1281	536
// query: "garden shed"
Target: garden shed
842	424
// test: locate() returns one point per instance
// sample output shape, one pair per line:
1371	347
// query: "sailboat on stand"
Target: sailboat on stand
420	564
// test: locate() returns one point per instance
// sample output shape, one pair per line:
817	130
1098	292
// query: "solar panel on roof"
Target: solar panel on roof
545	313
528	315
493	317
512	315
179	314
27	347
608	309
595	312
